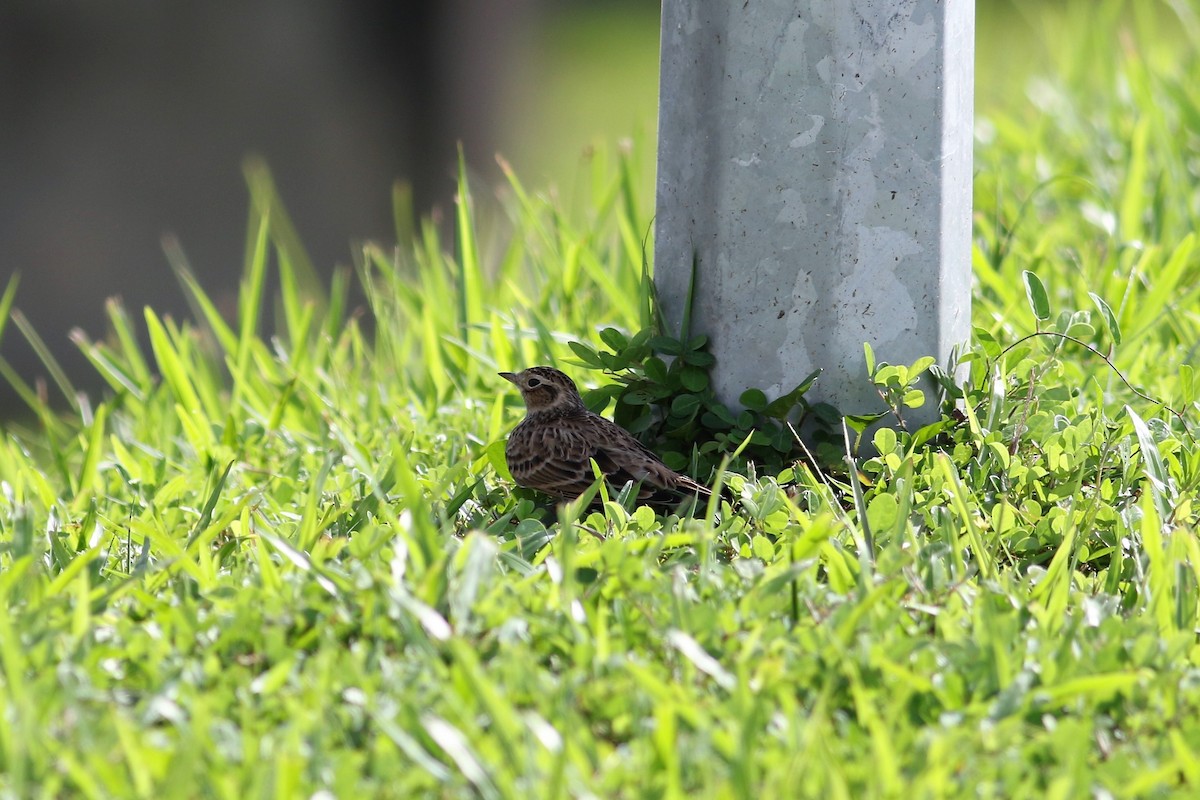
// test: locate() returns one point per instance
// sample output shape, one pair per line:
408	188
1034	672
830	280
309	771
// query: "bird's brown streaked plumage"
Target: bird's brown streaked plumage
551	450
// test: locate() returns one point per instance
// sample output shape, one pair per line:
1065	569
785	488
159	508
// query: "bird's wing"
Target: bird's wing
623	458
552	459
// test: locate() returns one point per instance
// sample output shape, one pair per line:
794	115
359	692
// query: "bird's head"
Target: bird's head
545	389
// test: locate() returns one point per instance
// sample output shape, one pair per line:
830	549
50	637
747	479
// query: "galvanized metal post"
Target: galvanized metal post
815	157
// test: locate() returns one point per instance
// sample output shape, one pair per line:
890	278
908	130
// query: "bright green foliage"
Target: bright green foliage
281	555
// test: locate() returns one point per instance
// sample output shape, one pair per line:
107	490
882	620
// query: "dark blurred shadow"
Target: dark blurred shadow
126	120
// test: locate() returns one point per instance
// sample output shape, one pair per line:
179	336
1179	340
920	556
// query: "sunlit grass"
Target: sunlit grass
276	558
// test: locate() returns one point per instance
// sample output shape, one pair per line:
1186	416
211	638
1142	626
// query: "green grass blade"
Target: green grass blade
48	360
6	300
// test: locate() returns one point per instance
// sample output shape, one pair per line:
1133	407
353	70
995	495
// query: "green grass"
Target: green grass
276	557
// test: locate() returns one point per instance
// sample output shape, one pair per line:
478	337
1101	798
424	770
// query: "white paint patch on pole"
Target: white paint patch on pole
816	158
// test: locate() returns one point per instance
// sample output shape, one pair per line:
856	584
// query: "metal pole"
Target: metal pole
815	157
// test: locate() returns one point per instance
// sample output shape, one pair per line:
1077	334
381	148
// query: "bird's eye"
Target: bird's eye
534	382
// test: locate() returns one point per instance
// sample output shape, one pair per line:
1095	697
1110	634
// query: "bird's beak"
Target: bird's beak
508	376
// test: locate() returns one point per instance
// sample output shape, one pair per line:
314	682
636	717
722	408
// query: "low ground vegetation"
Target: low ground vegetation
279	556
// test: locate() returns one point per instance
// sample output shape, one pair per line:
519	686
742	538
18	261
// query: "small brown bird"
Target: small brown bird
550	450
